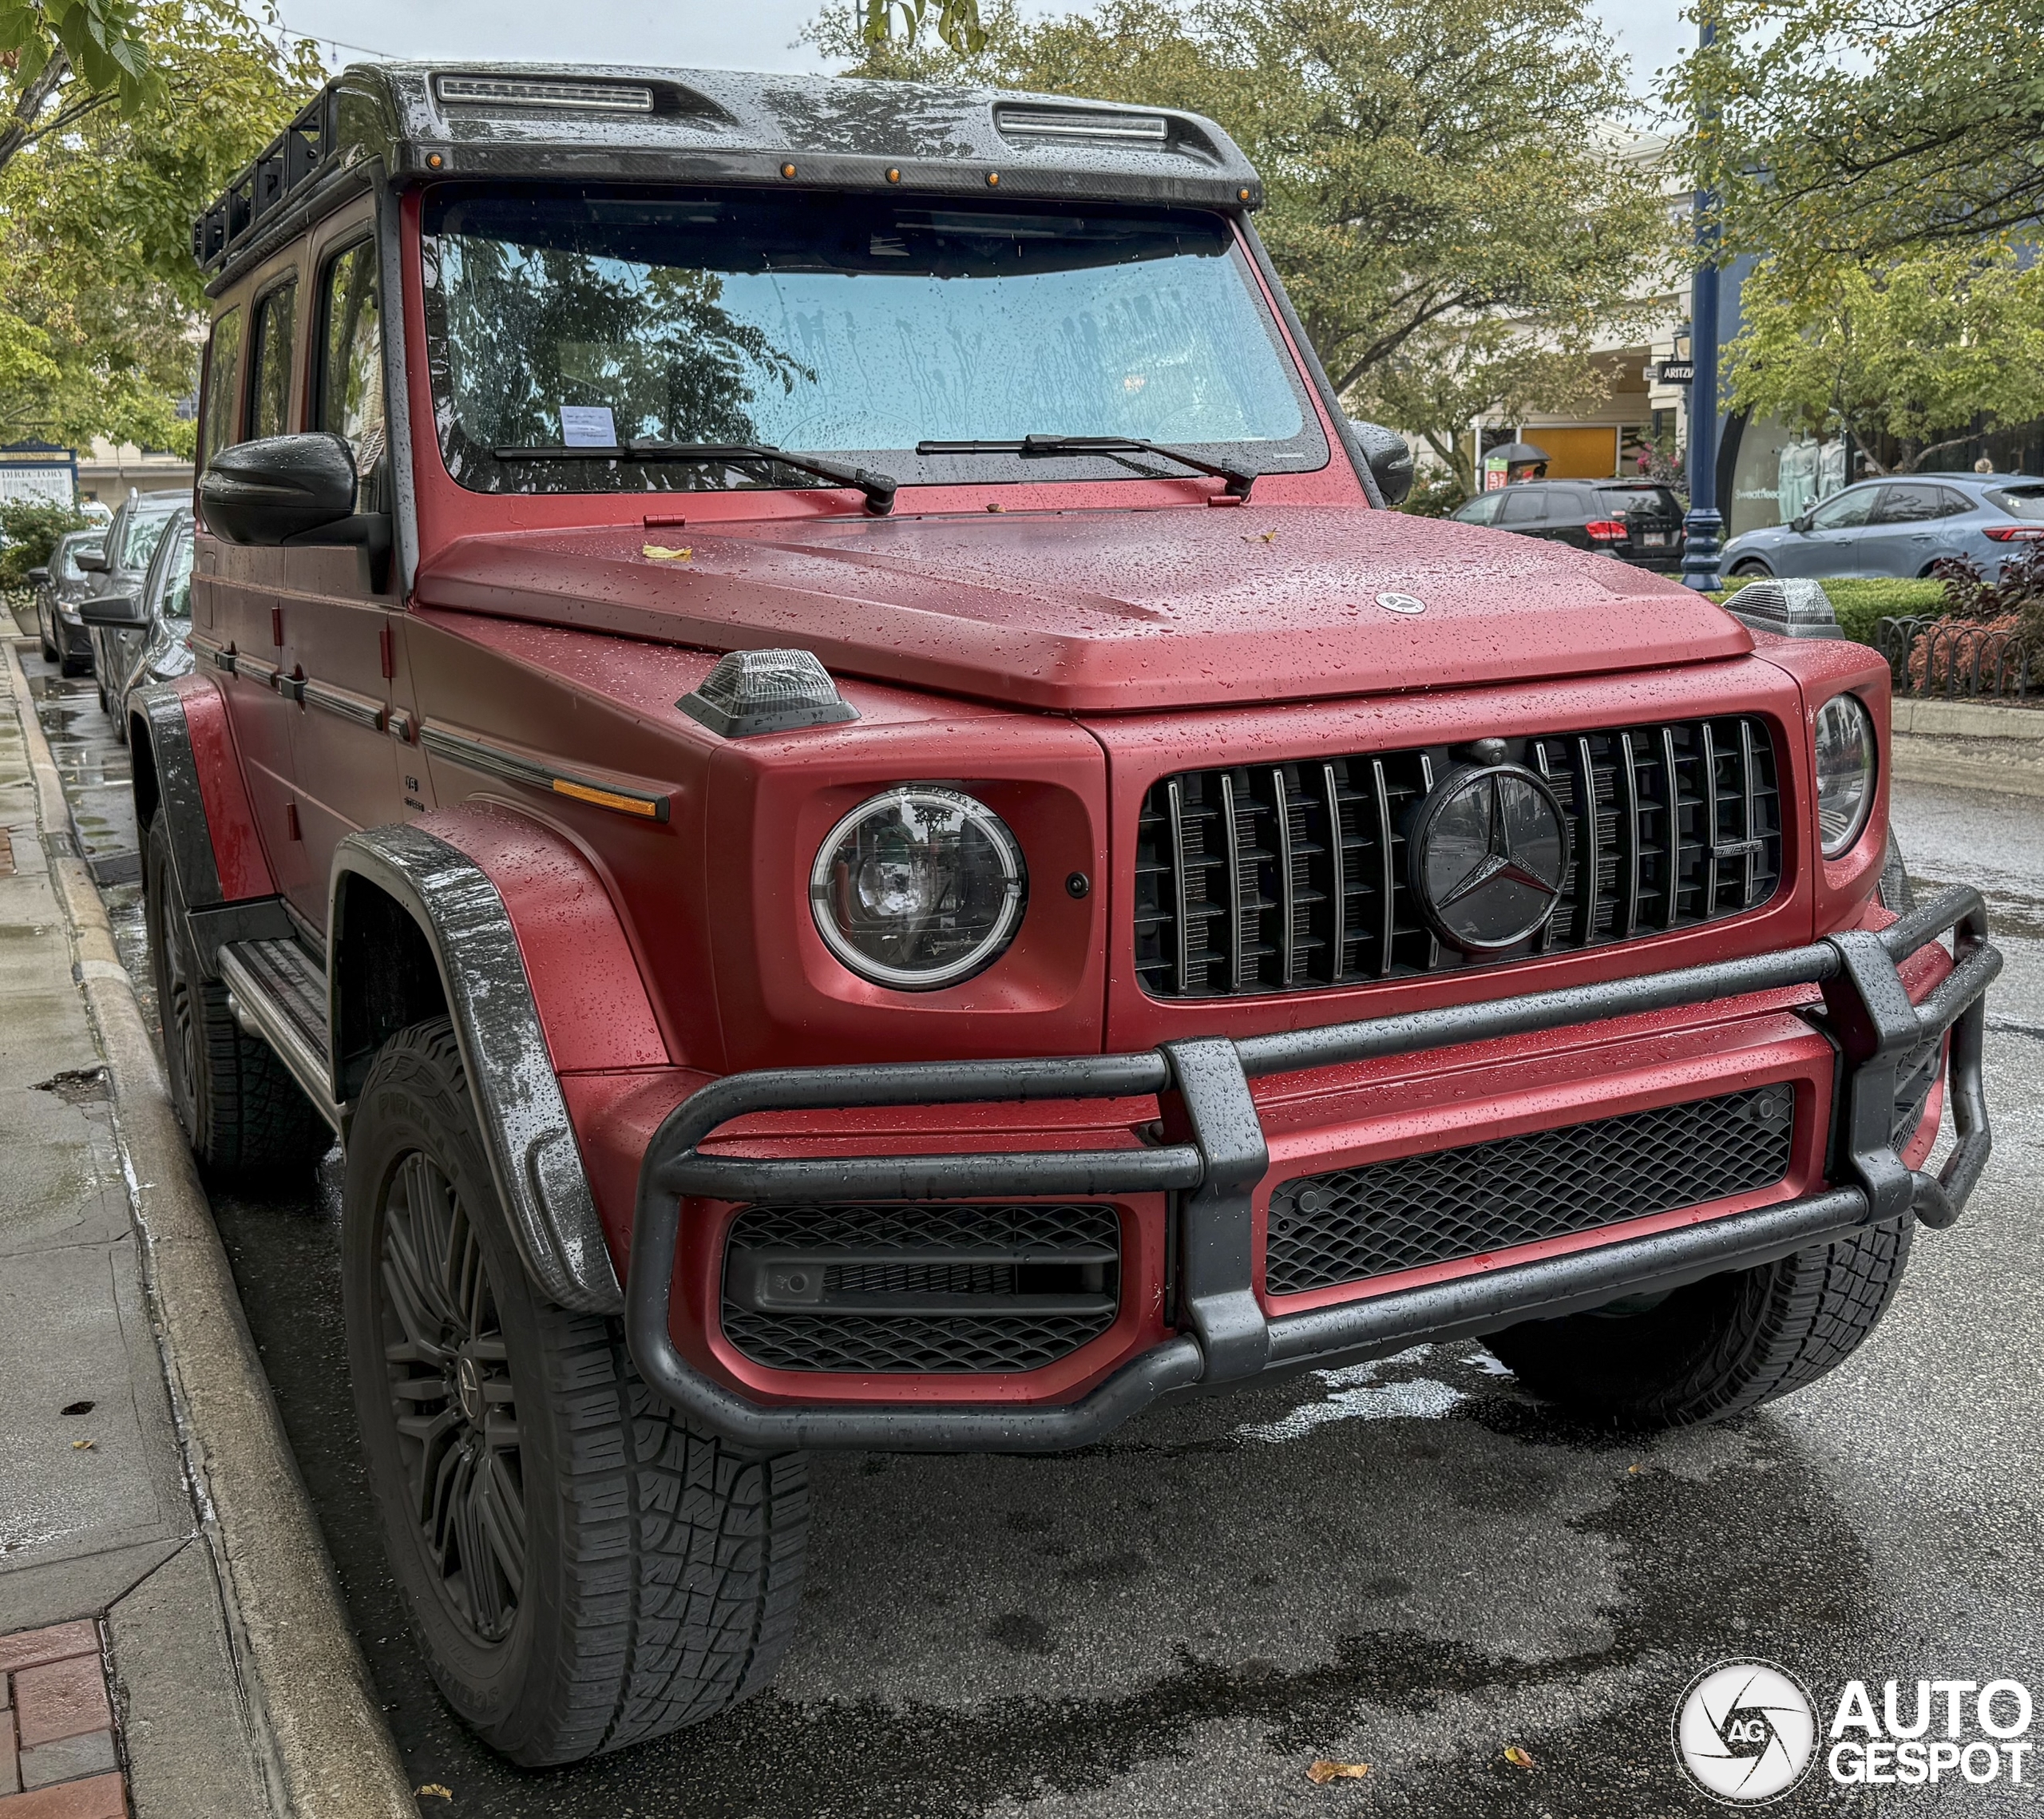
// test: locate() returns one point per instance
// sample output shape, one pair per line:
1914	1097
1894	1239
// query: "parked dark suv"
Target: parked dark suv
1636	521
812	738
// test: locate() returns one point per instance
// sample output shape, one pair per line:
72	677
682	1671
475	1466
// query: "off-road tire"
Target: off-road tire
660	1570
1718	1348
242	1112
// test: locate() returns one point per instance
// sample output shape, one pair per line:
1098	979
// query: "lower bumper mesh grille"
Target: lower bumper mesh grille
1412	1211
920	1289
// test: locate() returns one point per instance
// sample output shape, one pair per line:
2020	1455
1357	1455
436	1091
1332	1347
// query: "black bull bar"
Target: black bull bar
1216	1155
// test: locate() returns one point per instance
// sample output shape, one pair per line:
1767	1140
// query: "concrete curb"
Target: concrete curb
328	1754
1970	745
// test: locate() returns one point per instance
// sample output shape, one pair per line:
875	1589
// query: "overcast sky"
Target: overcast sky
752	34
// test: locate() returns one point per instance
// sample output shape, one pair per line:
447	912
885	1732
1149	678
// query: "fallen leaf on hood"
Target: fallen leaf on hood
1519	1758
79	1445
658	552
433	1790
1323	1771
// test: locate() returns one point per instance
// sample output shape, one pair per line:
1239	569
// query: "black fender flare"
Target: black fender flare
534	1158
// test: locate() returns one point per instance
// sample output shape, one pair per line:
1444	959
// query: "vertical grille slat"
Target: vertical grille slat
1288	907
1291	877
1337	867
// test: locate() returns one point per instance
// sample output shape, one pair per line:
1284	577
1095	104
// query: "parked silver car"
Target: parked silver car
1903	526
119	568
60	585
139	636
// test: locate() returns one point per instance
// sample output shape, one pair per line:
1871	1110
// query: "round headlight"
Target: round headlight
918	888
1845	771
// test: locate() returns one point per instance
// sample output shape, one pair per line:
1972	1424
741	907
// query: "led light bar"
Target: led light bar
520	91
1047	123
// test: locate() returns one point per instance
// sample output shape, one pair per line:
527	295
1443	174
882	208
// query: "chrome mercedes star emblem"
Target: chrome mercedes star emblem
1401	603
1489	851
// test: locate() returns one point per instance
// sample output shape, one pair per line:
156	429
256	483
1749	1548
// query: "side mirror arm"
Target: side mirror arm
369	532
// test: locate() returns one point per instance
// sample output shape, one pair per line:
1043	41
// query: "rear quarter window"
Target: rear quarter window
222	385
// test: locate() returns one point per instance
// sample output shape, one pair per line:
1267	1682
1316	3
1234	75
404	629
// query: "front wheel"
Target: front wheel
582	1569
1715	1348
1752	571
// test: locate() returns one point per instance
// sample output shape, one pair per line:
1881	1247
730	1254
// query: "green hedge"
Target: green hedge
1862	605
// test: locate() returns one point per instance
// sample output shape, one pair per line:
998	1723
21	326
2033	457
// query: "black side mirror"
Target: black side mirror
93	561
296	490
38	577
113	609
1800	522
278	489
1390	460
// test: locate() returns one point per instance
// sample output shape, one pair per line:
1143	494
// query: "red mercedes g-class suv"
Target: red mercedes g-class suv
812	738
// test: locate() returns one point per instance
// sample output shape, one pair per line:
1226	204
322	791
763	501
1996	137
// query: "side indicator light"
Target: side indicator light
608	798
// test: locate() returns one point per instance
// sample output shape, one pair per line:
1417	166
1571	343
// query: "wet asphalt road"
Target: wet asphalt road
1409	1563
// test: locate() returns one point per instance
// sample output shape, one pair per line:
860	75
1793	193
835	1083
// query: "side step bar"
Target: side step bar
277	994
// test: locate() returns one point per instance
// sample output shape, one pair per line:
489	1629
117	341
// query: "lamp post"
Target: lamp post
1703	526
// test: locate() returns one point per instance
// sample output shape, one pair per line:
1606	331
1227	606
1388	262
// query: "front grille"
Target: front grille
1412	1211
1288	878
920	1289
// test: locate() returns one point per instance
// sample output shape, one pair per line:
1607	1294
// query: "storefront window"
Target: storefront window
1778	472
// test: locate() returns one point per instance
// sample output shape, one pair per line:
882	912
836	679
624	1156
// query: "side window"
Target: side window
222	386
269	400
1906	504
1523	505
1951	502
1844	513
1480	510
351	355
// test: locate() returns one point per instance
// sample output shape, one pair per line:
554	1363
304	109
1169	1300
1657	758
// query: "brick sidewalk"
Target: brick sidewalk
57	1754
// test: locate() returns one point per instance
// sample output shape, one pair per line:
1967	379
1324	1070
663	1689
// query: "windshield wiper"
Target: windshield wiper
1238	481
879	489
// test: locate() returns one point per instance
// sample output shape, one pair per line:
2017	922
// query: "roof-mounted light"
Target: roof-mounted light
522	91
1096	125
766	691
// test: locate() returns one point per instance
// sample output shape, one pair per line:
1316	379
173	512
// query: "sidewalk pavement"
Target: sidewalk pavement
153	1527
97	1521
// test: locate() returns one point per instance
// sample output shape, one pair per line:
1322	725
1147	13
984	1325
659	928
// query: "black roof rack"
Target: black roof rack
417	123
289	164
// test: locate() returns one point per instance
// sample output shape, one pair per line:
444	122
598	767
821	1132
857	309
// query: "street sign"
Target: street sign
1675	372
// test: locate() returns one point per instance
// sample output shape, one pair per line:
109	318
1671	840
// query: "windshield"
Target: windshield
143	532
852	325
65	568
2020	501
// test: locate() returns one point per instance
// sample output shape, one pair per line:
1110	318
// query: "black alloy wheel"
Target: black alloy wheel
583	1571
451	1397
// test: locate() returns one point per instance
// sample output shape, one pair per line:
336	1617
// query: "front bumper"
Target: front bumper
1218	1153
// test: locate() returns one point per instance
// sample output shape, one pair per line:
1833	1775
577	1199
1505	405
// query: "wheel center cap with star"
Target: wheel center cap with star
1489	849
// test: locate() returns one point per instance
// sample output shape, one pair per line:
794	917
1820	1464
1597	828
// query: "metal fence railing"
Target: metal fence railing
1958	659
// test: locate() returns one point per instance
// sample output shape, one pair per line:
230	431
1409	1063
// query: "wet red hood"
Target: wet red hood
1101	612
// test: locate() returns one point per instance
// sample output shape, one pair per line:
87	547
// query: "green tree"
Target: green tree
1948	341
1447	188
28	531
98	292
1868	128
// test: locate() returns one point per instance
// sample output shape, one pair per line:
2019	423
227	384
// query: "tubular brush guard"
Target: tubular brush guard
1217	1154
